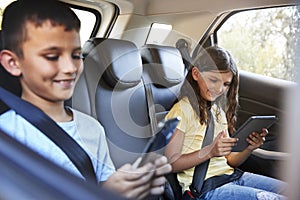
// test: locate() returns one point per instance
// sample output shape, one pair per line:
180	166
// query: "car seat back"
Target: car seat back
111	90
165	71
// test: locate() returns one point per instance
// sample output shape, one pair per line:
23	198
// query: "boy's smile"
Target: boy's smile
51	62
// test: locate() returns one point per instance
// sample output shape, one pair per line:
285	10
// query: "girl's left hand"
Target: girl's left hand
256	140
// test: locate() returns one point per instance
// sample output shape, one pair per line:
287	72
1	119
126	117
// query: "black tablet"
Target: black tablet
254	123
158	142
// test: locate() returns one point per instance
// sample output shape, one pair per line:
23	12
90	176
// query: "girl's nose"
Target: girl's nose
221	89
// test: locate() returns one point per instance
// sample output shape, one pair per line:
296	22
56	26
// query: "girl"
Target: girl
212	85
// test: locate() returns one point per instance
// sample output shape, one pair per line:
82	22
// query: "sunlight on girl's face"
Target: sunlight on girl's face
212	84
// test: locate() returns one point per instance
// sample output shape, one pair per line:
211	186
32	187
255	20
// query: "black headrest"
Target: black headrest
120	60
165	63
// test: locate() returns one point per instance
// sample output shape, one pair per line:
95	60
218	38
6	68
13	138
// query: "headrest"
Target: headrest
120	60
165	64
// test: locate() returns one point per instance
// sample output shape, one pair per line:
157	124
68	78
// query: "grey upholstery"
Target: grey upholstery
112	91
165	71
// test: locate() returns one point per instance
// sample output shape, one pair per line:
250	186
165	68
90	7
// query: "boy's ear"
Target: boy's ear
9	61
195	73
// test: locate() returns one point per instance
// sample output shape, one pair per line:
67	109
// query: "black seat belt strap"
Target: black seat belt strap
54	132
201	169
150	104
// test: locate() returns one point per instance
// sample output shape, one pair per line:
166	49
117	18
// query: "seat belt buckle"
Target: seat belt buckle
194	192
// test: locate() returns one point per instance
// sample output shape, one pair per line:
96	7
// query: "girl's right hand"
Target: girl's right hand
222	145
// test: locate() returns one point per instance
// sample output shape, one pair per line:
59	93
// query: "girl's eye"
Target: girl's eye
213	80
227	84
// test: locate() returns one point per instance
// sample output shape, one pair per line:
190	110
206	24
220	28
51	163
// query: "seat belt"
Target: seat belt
201	169
150	104
182	45
54	132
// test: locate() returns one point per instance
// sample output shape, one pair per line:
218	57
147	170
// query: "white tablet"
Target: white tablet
253	124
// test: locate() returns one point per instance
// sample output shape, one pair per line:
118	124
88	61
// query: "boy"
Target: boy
43	49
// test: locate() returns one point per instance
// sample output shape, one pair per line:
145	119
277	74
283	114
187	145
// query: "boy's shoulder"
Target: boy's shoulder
78	115
85	120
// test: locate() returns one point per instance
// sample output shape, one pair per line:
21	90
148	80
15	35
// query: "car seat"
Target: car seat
112	91
165	71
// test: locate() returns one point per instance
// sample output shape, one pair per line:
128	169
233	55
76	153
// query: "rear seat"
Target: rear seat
165	71
112	90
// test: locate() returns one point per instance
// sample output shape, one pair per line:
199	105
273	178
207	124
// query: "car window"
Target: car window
88	22
266	43
88	19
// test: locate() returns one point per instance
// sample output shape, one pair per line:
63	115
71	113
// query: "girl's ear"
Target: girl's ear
195	73
9	61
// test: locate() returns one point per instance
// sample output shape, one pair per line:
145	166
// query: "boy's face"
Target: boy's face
51	64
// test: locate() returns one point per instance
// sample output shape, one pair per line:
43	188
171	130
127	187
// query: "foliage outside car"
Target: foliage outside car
263	41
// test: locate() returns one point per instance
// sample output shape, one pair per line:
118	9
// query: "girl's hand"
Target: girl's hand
256	140
222	145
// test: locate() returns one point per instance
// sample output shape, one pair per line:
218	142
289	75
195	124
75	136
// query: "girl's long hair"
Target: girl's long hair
212	59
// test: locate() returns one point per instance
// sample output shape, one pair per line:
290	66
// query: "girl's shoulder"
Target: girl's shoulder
182	108
185	103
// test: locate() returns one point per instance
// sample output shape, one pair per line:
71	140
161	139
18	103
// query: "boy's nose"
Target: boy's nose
69	66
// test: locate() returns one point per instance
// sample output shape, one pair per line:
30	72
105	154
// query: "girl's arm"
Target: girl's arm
255	141
221	146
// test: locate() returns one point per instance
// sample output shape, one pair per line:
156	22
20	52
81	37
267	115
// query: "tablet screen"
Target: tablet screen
158	142
254	123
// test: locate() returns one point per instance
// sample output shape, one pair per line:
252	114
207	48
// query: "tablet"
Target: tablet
158	142
254	123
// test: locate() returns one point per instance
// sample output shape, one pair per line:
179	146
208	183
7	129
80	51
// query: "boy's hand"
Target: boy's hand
162	167
158	181
131	182
137	183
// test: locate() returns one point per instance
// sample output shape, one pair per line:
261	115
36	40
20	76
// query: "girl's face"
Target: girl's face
212	84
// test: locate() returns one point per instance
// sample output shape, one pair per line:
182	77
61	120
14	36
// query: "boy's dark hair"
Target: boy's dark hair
20	12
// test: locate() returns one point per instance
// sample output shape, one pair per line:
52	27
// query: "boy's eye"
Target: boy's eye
52	57
77	56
